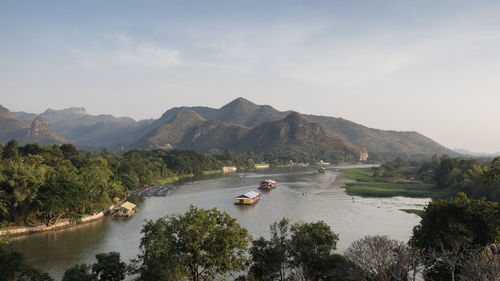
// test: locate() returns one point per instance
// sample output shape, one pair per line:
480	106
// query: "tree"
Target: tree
19	184
79	272
197	245
471	223
63	193
481	264
109	267
449	228
311	249
492	173
380	258
14	267
69	150
10	150
269	259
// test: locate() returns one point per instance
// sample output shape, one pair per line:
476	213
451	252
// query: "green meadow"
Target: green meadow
365	185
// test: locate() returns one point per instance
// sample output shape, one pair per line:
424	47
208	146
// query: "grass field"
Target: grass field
413	211
212	172
365	185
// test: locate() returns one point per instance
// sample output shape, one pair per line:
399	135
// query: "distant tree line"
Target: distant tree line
474	177
455	240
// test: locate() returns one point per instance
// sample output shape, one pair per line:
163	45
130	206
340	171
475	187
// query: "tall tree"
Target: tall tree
451	227
380	258
11	150
312	246
270	258
197	245
14	267
109	267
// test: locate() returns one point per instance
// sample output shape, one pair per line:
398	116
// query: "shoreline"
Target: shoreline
65	223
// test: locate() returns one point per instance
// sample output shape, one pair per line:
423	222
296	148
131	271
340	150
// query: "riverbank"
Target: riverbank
63	223
364	185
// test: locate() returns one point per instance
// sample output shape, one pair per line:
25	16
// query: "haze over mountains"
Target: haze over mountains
239	125
36	131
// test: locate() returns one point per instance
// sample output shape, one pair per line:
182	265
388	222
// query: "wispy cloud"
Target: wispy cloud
124	51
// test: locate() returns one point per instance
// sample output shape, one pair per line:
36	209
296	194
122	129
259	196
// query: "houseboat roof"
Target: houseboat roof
127	205
269	181
250	194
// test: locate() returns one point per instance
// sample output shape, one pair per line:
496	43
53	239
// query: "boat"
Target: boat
267	184
322	170
248	198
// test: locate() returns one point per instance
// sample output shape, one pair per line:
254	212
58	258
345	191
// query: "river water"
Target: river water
350	217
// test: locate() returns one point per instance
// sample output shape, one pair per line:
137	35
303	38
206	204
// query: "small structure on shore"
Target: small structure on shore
228	169
124	210
261	166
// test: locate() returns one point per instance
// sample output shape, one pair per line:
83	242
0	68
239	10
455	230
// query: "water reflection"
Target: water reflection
324	199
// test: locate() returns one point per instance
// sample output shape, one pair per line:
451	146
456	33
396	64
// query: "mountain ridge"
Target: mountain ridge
385	142
95	131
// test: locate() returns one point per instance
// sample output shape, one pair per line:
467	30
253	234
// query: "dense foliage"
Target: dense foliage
14	267
303	251
108	267
41	183
198	245
476	178
453	227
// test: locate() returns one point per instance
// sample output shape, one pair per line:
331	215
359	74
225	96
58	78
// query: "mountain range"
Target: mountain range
240	125
38	130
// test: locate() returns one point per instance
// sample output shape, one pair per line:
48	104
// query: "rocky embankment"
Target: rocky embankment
22	230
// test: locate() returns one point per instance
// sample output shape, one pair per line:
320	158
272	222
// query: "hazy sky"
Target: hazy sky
426	66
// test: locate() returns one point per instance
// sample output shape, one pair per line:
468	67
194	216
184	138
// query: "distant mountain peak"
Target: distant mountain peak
5	112
39	127
40	132
70	110
240	102
295	117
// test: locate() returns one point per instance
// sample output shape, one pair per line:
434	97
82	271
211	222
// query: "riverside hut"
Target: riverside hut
124	210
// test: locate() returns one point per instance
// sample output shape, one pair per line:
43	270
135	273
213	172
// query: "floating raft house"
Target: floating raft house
248	198
124	210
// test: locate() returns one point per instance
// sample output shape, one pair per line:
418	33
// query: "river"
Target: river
351	218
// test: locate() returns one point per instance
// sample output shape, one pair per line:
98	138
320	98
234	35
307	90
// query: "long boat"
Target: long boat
267	184
248	198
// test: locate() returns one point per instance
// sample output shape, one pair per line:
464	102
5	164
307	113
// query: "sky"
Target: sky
426	66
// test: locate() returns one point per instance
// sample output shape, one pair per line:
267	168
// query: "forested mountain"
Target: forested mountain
294	136
168	134
214	134
243	112
178	127
297	135
396	143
